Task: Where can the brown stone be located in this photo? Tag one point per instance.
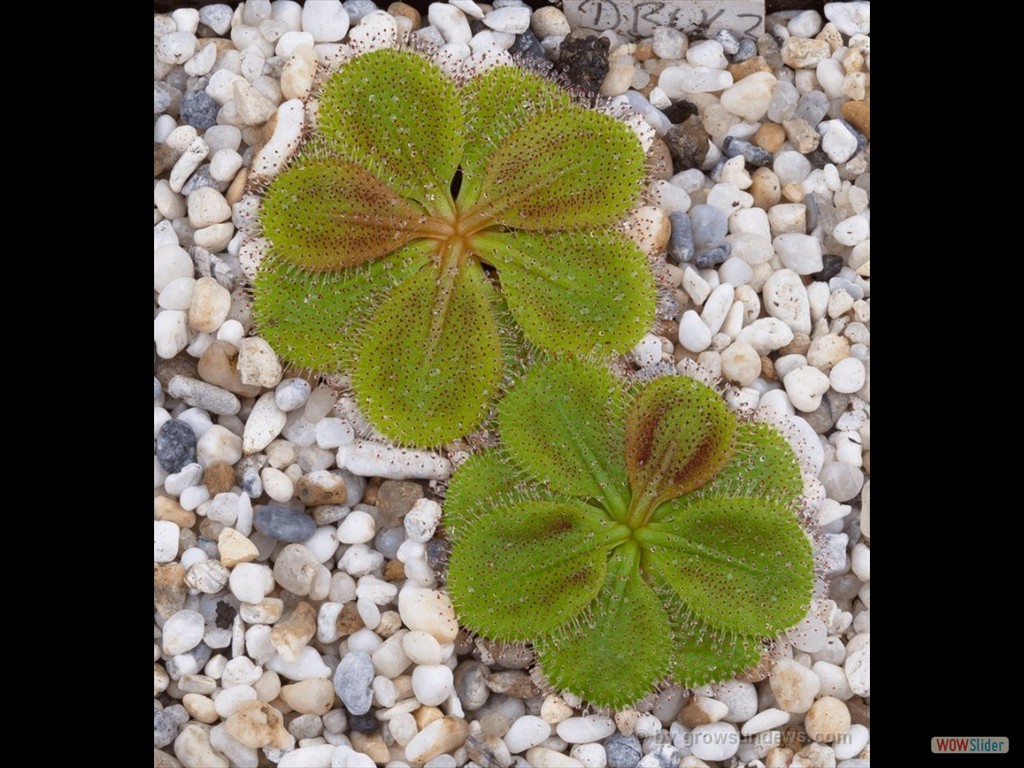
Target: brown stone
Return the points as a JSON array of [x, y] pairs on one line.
[[348, 620], [445, 734], [667, 328], [859, 115], [394, 570], [163, 158], [256, 724], [319, 488], [219, 477], [169, 588], [238, 185], [219, 365], [688, 143], [801, 135], [770, 137], [424, 716], [395, 498], [748, 67], [768, 369], [659, 160], [182, 365], [167, 508], [235, 548], [291, 634], [406, 10], [764, 188], [370, 494], [513, 683], [371, 744], [798, 346], [644, 51]]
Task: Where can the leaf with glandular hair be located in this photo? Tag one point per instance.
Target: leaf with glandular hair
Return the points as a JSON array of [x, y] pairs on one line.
[[523, 570]]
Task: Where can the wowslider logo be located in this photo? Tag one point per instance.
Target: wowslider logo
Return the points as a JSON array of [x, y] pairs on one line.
[[971, 744]]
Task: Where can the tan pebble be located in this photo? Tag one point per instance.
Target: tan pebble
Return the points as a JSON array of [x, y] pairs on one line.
[[859, 115], [852, 60], [291, 634], [200, 707], [219, 365], [309, 697], [234, 548], [442, 735], [370, 494], [801, 53], [169, 588], [219, 477], [268, 687], [801, 135], [779, 757], [211, 303], [649, 228], [257, 724], [554, 709], [793, 193], [267, 611], [794, 686], [830, 34], [426, 715], [770, 137], [348, 620], [394, 570], [371, 744], [827, 720], [321, 488], [815, 756], [160, 679], [659, 160], [298, 72], [406, 10], [163, 760], [514, 683], [758, 672], [390, 622], [798, 346], [166, 508], [210, 529], [825, 351], [258, 363], [764, 188], [748, 67], [238, 186], [855, 86], [644, 51], [192, 748]]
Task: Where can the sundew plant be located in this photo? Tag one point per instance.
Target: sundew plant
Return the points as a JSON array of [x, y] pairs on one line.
[[634, 535], [429, 229]]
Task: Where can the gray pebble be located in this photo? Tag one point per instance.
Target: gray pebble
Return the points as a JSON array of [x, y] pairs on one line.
[[752, 153], [199, 109], [710, 226], [252, 485], [812, 107], [842, 481], [284, 524], [823, 418], [728, 41], [200, 394], [842, 284], [680, 244], [783, 102], [356, 9], [471, 684], [713, 256], [622, 751], [163, 96], [210, 265], [175, 446], [306, 727], [388, 540], [157, 388], [202, 177], [747, 50], [811, 201], [165, 729], [190, 662], [352, 682], [665, 756]]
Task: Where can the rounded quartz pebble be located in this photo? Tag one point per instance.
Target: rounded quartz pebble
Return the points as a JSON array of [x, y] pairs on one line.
[[327, 21], [827, 720], [292, 394], [583, 730], [848, 375], [805, 387], [794, 686], [432, 684], [284, 524], [166, 536], [182, 632], [526, 732], [175, 446], [715, 741]]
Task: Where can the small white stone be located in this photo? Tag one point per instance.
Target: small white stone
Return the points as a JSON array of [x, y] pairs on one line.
[[591, 755], [292, 394], [860, 561], [729, 198], [695, 286], [794, 686], [694, 335], [170, 262], [190, 159], [791, 167], [218, 444], [805, 24], [740, 363], [512, 19], [421, 521], [848, 375], [716, 308], [740, 697], [276, 484], [852, 231], [526, 732], [257, 363], [210, 305], [176, 47], [432, 684], [765, 720], [680, 81], [852, 743], [669, 43], [749, 97], [271, 158], [369, 459], [450, 22], [264, 424], [850, 18], [376, 30], [805, 387], [647, 351], [358, 528], [785, 298], [583, 730], [801, 253], [170, 204], [428, 610], [170, 332], [836, 141], [326, 20], [251, 582], [707, 53], [809, 635], [549, 21], [334, 433], [766, 335], [165, 541], [423, 648], [469, 7], [715, 741], [833, 680]]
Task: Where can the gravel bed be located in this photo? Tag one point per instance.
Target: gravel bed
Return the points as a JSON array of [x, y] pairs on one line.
[[300, 618]]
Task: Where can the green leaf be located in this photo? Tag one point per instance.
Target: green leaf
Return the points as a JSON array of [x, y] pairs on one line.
[[323, 214], [397, 115], [562, 423], [741, 565], [486, 478], [763, 466], [494, 104], [523, 570], [574, 292], [310, 318], [701, 655], [620, 650], [430, 361], [566, 169], [679, 435]]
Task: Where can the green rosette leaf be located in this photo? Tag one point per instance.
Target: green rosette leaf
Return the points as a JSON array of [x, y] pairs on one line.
[[621, 649], [741, 565], [523, 570], [397, 115], [430, 360], [562, 423], [574, 292]]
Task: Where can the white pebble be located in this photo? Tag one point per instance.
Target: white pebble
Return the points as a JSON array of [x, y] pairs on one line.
[[850, 18], [190, 159], [549, 21], [170, 262], [421, 521], [583, 730], [860, 561], [511, 19], [685, 79], [694, 335], [368, 459], [423, 648], [450, 22], [358, 528], [740, 697], [276, 484], [852, 742], [836, 141], [809, 635], [848, 375], [251, 582], [428, 610], [291, 394], [647, 351], [785, 298], [591, 755], [749, 97], [165, 541], [852, 231], [170, 204], [715, 741], [264, 424], [432, 684], [176, 47], [766, 335], [707, 53], [526, 732], [170, 332], [801, 253], [805, 387], [326, 20], [716, 308], [832, 679]]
